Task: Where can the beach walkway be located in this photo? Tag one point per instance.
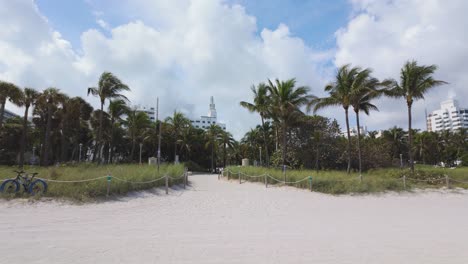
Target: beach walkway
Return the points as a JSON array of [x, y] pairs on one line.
[[216, 221]]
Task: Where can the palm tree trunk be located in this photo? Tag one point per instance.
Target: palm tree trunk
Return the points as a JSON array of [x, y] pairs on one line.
[[100, 132], [45, 155], [265, 143], [348, 170], [23, 137], [175, 150], [410, 138], [111, 144], [359, 141], [2, 112], [212, 157], [284, 148], [132, 152], [224, 155], [276, 138], [317, 159]]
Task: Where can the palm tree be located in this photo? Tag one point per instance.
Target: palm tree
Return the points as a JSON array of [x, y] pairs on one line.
[[177, 122], [286, 101], [227, 141], [137, 122], [109, 87], [7, 91], [340, 91], [261, 104], [50, 97], [27, 99], [117, 108], [415, 81], [212, 136], [364, 89]]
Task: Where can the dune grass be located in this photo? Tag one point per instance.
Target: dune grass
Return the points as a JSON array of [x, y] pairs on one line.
[[89, 191], [373, 181]]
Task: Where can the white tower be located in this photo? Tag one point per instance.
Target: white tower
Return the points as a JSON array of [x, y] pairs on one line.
[[212, 112]]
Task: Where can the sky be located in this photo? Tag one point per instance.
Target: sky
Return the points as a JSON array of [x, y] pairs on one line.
[[188, 50]]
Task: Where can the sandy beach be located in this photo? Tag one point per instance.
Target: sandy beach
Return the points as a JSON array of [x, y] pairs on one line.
[[215, 221]]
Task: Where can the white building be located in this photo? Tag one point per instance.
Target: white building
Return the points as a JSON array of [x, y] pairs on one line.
[[449, 117], [353, 131], [7, 115], [206, 121], [150, 111]]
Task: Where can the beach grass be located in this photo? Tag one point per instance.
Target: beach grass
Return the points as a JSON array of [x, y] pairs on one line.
[[373, 181], [96, 189]]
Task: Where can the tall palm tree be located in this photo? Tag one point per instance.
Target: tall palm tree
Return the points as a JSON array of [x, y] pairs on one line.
[[364, 89], [109, 87], [117, 108], [340, 94], [227, 141], [7, 91], [212, 135], [286, 102], [177, 123], [137, 122], [50, 97], [261, 104], [27, 99], [415, 81]]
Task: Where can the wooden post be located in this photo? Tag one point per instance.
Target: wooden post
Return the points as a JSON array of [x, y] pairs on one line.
[[167, 184], [360, 178], [109, 177], [239, 177], [266, 180], [310, 182], [404, 182], [447, 181], [185, 178], [228, 174]]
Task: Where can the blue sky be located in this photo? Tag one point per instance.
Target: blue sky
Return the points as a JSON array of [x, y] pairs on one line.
[[315, 21], [185, 51]]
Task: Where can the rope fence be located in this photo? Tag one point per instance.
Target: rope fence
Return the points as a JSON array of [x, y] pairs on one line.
[[266, 176], [109, 178]]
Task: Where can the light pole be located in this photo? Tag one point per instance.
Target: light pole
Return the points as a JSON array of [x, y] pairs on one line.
[[401, 161], [34, 156], [79, 157], [260, 156], [141, 146]]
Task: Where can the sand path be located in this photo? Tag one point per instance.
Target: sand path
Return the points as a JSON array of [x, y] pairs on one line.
[[222, 222]]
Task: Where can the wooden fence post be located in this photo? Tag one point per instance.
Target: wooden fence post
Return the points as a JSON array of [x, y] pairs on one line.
[[404, 182], [109, 178], [239, 177], [266, 180], [310, 182], [447, 181], [185, 178], [167, 184], [228, 174]]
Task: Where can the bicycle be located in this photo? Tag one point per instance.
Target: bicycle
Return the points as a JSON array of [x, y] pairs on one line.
[[31, 185]]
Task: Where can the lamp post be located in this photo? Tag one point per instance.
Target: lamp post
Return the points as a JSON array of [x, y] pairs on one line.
[[141, 146], [79, 157], [401, 161], [34, 156], [260, 156]]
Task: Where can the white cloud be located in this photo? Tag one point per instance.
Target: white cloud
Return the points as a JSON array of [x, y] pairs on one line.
[[385, 34], [192, 51]]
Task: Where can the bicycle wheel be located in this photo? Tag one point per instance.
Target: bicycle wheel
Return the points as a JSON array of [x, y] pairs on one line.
[[38, 187], [10, 186]]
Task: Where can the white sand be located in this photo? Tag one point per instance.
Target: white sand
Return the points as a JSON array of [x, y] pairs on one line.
[[222, 222]]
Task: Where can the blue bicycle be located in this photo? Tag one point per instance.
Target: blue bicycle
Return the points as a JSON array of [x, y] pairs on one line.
[[30, 185]]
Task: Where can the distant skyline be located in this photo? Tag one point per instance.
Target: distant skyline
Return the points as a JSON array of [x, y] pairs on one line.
[[186, 51]]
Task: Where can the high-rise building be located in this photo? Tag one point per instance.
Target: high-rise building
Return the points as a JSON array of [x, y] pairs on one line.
[[7, 114], [205, 121], [150, 111], [449, 117]]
